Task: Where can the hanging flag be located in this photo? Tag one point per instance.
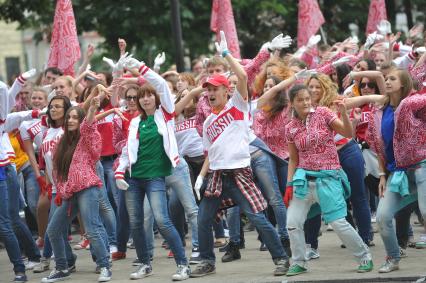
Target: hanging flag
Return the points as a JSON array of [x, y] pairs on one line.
[[223, 19], [309, 20], [376, 13], [64, 46]]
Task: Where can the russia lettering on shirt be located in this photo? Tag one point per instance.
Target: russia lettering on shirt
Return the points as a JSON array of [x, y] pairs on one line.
[[185, 125], [218, 126], [34, 130]]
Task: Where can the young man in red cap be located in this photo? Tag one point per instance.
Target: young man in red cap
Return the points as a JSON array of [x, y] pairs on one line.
[[226, 140]]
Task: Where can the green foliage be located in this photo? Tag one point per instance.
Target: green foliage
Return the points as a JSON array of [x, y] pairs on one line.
[[146, 25]]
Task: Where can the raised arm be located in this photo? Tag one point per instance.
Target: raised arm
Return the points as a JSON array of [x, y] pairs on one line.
[[373, 75], [272, 92], [239, 71], [343, 126], [180, 106]]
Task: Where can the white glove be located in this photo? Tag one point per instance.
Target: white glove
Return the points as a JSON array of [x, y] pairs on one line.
[[371, 39], [421, 50], [198, 185], [108, 61], [313, 40], [384, 27], [29, 74], [121, 184], [304, 74], [341, 61], [159, 60], [223, 45], [131, 63], [279, 42]]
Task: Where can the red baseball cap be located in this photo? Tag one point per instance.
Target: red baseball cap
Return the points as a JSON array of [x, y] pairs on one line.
[[217, 80]]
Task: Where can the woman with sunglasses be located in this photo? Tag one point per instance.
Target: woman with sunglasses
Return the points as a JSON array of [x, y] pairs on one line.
[[120, 131], [370, 83], [397, 132]]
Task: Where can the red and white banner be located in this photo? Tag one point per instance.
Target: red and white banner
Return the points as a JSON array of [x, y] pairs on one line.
[[310, 19], [223, 19], [64, 46], [376, 13]]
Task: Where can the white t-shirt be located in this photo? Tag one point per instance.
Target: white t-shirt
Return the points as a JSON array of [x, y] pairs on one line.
[[226, 135], [188, 140], [52, 137], [31, 130]]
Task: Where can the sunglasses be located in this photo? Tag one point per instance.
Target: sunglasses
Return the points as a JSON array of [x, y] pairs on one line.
[[369, 85], [130, 98]]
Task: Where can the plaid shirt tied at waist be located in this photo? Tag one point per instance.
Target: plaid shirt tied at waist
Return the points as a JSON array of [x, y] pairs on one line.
[[243, 178]]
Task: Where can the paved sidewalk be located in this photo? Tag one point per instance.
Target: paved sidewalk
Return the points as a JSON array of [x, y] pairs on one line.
[[334, 265]]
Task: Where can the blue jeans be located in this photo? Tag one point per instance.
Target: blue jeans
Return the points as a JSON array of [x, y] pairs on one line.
[[155, 190], [21, 230], [123, 224], [47, 249], [109, 183], [32, 189], [87, 202], [389, 206], [207, 213], [352, 162], [106, 211], [180, 193], [265, 173], [6, 233]]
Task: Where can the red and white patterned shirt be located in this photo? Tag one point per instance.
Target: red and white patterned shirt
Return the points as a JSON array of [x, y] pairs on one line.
[[82, 172], [314, 140], [272, 131]]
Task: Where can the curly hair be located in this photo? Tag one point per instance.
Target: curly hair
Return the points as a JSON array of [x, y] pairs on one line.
[[284, 72], [329, 89]]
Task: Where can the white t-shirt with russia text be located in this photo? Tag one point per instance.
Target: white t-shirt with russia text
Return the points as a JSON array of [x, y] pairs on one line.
[[52, 137], [189, 141], [226, 135], [31, 130]]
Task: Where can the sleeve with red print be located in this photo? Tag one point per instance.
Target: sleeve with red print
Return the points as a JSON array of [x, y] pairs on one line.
[[91, 139], [373, 135], [289, 133], [202, 112], [118, 136], [418, 73], [252, 68], [326, 114]]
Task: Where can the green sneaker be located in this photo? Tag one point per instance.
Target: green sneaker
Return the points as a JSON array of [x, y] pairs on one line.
[[296, 269], [365, 266]]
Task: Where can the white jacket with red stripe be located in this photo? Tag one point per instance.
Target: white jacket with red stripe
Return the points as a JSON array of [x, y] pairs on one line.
[[7, 101], [164, 119]]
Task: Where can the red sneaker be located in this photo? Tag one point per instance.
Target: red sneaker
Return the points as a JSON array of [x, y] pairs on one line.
[[83, 244], [40, 243], [170, 255], [118, 255]]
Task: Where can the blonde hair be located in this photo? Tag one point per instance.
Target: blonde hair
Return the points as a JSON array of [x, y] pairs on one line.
[[284, 72], [329, 90]]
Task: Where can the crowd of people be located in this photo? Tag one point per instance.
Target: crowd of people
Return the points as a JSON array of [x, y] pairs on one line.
[[333, 134]]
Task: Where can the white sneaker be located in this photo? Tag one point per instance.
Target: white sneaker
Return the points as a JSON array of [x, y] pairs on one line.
[[105, 275], [42, 266], [311, 253], [143, 271], [29, 265], [182, 273], [389, 266], [373, 217], [113, 249]]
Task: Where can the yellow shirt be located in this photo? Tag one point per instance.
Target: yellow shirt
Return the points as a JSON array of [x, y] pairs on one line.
[[21, 156]]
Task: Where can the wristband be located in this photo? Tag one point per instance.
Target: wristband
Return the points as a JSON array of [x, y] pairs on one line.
[[382, 174], [224, 53]]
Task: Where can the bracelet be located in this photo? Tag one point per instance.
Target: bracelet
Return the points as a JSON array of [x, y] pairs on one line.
[[224, 53], [382, 174]]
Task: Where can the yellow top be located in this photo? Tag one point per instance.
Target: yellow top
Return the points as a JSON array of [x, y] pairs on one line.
[[21, 156]]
